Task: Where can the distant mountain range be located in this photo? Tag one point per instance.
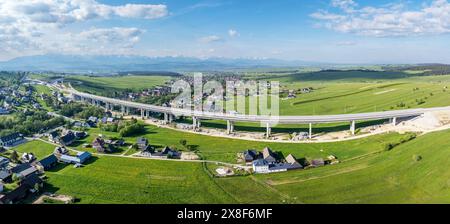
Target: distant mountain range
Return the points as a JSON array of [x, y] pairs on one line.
[[100, 64]]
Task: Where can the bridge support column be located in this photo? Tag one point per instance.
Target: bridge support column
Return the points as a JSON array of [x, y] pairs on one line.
[[352, 127], [166, 117], [394, 121], [142, 114], [147, 114], [268, 130], [127, 111], [122, 110], [310, 131], [170, 118], [195, 123], [230, 127]]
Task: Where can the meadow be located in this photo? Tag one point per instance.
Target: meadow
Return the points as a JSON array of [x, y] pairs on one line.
[[111, 84], [225, 149], [414, 172]]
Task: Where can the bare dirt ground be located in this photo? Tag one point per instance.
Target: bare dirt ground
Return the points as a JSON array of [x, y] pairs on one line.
[[62, 198]]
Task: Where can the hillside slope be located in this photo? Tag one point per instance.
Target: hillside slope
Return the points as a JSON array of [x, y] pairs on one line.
[[415, 172]]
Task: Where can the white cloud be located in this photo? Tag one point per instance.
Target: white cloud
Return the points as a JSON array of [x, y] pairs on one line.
[[232, 33], [210, 39], [39, 25], [94, 41], [346, 5], [387, 20]]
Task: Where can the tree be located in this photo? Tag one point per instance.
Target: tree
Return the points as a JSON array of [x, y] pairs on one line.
[[37, 187], [14, 157], [183, 142]]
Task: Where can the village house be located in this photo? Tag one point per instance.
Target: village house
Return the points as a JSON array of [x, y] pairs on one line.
[[5, 176], [60, 151], [268, 164], [81, 158], [26, 186], [260, 166], [92, 121], [11, 140], [47, 163], [250, 155], [67, 138], [80, 124], [142, 143], [27, 157], [23, 170], [317, 162], [269, 156], [101, 146], [53, 136], [165, 153], [4, 111], [4, 162]]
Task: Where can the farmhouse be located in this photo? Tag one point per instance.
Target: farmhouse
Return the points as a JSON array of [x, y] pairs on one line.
[[11, 140], [100, 145], [5, 176], [67, 139], [261, 166], [92, 121], [24, 170], [79, 159], [26, 185], [60, 151], [165, 153], [268, 155], [27, 157], [250, 155], [15, 195], [47, 163], [142, 143], [53, 136]]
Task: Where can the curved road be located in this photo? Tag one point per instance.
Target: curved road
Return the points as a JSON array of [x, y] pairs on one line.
[[260, 118]]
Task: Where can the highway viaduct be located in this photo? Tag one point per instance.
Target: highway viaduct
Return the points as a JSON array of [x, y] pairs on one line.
[[267, 121]]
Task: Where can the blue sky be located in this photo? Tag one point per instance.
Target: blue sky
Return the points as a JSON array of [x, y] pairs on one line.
[[343, 31]]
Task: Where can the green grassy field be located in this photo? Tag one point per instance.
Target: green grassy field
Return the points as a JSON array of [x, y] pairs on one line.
[[38, 148], [395, 176], [123, 180], [225, 150], [108, 85], [413, 172]]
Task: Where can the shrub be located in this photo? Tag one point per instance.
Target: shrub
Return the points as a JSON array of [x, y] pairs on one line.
[[417, 158]]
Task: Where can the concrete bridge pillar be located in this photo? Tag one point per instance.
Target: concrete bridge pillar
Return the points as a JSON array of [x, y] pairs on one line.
[[166, 117], [122, 110], [310, 131], [196, 122], [127, 111], [352, 127], [230, 127], [394, 121], [142, 114], [268, 130], [170, 118]]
